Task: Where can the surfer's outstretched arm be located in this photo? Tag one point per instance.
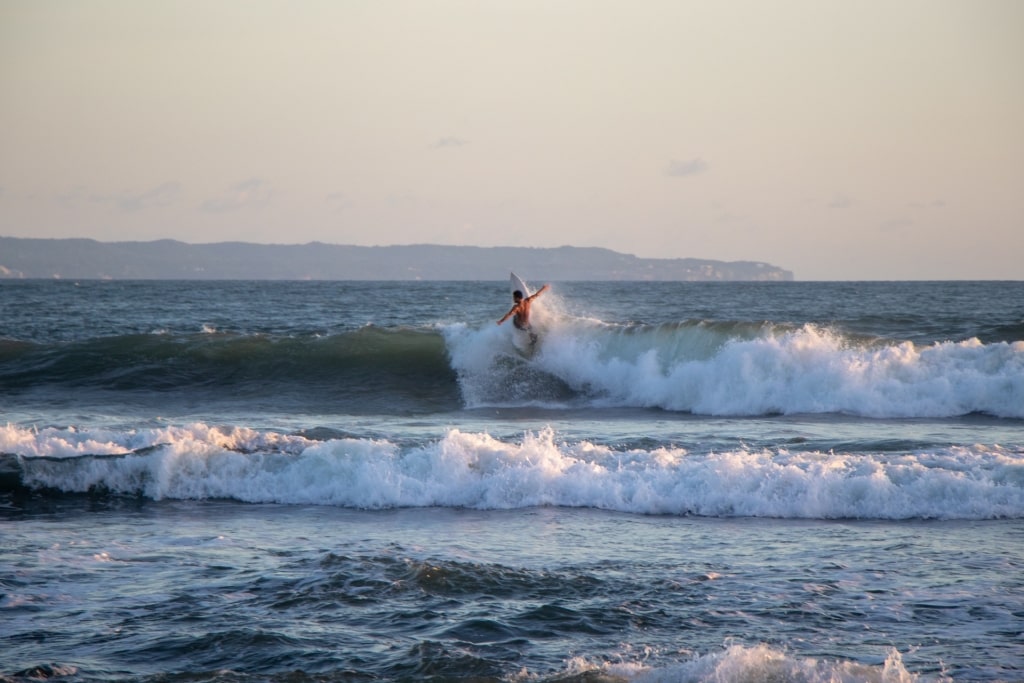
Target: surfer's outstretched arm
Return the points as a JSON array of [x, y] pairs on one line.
[[538, 293], [511, 312]]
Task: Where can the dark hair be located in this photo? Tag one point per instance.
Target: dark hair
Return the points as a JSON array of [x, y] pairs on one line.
[[517, 294]]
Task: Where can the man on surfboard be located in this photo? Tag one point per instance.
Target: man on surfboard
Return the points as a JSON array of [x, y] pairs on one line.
[[521, 310]]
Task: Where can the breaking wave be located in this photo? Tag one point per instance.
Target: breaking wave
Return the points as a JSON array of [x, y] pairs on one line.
[[738, 369], [700, 367], [475, 470]]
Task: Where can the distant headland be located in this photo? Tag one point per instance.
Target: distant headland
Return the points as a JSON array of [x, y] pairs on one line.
[[173, 260]]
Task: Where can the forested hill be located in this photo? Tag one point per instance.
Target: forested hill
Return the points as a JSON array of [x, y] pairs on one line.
[[169, 259]]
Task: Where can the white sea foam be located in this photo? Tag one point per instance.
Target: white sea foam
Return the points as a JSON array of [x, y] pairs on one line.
[[737, 370], [757, 664], [478, 471]]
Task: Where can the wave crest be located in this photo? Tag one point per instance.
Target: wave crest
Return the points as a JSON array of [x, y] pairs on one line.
[[739, 369], [475, 470]]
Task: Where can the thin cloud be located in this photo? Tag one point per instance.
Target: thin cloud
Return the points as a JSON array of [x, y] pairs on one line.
[[75, 197], [338, 201], [679, 169], [128, 201], [164, 194], [895, 226], [449, 143], [248, 193], [935, 204], [401, 200], [841, 201]]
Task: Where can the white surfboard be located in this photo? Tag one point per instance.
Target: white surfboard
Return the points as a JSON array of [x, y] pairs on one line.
[[518, 284]]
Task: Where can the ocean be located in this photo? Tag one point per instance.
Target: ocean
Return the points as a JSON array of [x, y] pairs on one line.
[[372, 481]]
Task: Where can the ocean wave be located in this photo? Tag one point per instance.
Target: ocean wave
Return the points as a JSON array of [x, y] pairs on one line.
[[748, 663], [738, 369], [354, 371], [717, 368], [475, 470]]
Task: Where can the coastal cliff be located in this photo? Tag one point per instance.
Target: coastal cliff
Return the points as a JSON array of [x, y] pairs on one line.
[[170, 259]]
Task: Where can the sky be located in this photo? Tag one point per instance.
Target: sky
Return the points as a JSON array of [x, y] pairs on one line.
[[842, 140]]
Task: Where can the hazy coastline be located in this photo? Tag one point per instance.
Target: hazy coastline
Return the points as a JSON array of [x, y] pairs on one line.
[[171, 259]]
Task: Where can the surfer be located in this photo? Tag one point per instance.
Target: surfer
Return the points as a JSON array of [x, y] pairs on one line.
[[521, 310]]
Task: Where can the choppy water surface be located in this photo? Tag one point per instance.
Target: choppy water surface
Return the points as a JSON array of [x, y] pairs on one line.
[[373, 481]]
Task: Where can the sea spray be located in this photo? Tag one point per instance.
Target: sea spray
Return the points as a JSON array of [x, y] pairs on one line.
[[751, 664], [476, 470], [740, 370]]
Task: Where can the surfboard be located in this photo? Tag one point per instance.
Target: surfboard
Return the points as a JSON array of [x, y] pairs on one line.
[[518, 284]]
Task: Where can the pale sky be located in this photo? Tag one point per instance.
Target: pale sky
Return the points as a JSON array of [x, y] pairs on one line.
[[840, 139]]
